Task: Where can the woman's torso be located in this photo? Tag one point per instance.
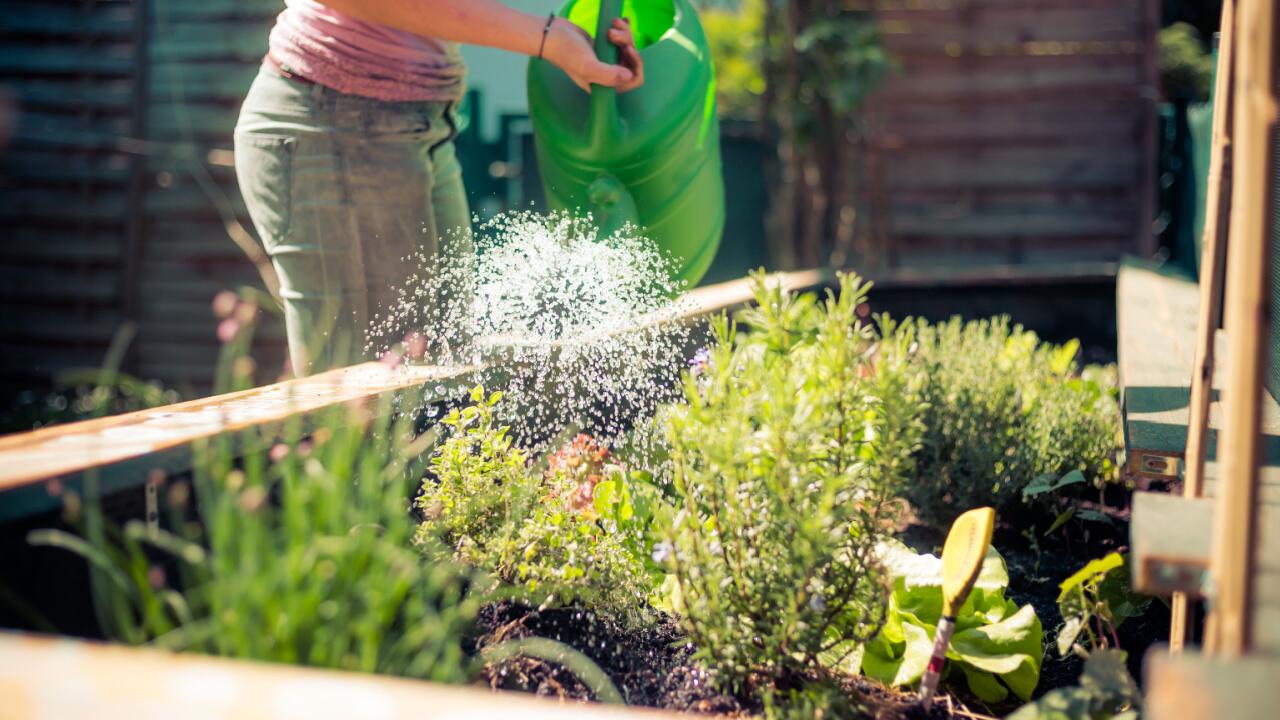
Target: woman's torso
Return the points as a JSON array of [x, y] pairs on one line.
[[360, 58]]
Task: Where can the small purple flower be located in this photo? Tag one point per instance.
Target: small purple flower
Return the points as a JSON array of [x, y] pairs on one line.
[[662, 552], [700, 361]]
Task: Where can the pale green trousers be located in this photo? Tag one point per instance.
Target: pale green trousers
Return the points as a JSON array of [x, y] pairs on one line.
[[348, 194]]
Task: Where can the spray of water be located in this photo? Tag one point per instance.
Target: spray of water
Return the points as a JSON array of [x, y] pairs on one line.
[[581, 331]]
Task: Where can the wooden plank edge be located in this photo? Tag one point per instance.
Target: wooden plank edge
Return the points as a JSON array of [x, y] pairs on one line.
[[43, 677], [122, 450], [1190, 686], [1170, 536]]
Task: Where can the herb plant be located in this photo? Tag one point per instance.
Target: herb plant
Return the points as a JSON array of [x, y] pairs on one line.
[[786, 478], [571, 533], [1094, 602], [1106, 692], [1002, 409], [298, 552]]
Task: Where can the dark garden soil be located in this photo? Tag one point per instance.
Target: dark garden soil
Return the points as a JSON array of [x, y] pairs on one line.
[[1038, 563], [654, 667], [651, 667]]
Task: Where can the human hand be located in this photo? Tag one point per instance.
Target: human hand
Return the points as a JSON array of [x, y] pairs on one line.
[[569, 48]]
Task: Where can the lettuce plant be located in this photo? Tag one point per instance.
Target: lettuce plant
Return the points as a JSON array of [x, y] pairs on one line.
[[571, 533], [996, 646], [786, 479]]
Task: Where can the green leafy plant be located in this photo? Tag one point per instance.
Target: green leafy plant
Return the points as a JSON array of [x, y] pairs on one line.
[[736, 38], [1094, 602], [1106, 692], [299, 551], [786, 479], [1186, 66], [572, 533], [1004, 414], [997, 645]]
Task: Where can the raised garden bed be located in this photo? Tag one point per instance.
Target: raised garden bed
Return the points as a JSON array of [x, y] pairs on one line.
[[595, 549]]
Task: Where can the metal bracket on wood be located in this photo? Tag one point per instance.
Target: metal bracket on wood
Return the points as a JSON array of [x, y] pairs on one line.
[[1155, 464]]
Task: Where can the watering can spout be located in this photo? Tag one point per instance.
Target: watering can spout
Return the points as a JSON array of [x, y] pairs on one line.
[[604, 126]]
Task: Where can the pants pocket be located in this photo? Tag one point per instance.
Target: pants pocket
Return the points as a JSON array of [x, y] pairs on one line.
[[264, 169]]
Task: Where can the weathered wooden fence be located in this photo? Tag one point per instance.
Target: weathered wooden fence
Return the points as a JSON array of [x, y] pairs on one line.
[[1014, 137], [118, 193], [1014, 132]]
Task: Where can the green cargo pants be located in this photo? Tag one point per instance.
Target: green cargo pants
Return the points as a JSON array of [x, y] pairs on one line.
[[346, 192]]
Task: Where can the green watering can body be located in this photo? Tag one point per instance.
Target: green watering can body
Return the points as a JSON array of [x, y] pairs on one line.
[[650, 156]]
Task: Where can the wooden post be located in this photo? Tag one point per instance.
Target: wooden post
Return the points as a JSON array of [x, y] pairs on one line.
[[1212, 262], [1246, 323]]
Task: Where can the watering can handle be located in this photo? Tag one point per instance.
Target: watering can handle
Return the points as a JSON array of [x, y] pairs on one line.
[[603, 119]]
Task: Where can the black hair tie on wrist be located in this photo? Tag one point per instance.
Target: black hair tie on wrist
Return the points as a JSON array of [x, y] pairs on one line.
[[545, 29]]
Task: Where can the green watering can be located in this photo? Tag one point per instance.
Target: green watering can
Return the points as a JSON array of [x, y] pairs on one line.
[[650, 156]]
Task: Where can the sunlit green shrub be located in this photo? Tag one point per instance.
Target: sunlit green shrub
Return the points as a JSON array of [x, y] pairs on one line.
[[1186, 65], [298, 552], [1002, 409], [787, 479], [571, 533]]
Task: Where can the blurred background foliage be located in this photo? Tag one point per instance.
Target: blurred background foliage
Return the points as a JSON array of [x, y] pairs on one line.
[[1186, 63], [735, 32], [804, 67]]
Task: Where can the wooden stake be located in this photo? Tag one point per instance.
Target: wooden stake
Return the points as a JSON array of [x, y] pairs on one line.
[[1212, 262], [1246, 324]]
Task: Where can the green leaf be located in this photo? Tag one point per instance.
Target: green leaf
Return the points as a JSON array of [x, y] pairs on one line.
[[1046, 483], [902, 668], [1115, 591], [1041, 484], [984, 685], [1072, 478], [477, 394], [1067, 635], [1061, 520], [668, 597], [1106, 677], [1064, 357], [604, 497], [1096, 567], [994, 645], [1095, 516], [1069, 703], [1011, 649]]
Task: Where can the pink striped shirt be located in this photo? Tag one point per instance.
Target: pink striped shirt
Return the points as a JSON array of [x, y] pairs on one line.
[[360, 58]]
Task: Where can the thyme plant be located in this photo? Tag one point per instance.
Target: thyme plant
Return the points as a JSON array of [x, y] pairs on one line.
[[787, 479], [1002, 409]]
